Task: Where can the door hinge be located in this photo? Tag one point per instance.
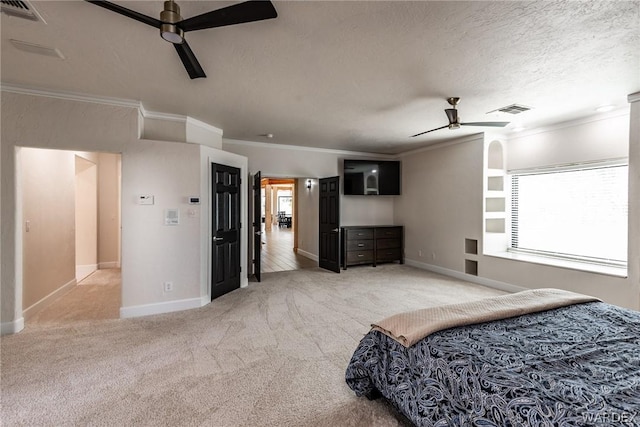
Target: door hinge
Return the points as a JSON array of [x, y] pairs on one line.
[[240, 269]]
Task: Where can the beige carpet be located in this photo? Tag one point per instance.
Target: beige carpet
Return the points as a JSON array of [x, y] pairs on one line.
[[97, 297], [272, 354]]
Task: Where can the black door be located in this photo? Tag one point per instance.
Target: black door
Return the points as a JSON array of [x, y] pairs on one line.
[[225, 226], [330, 224], [257, 224]]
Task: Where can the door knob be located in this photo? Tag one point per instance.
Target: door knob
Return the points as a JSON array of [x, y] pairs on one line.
[[335, 230]]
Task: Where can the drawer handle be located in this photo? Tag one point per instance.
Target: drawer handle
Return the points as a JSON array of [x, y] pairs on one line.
[[360, 234], [360, 245], [360, 255], [389, 253]]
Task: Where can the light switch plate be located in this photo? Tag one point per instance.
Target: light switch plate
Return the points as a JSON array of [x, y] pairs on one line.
[[145, 199]]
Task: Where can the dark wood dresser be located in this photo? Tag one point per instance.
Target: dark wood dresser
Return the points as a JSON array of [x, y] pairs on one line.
[[372, 244]]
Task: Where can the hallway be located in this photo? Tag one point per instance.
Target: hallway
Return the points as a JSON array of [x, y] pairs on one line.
[[97, 297], [277, 252]]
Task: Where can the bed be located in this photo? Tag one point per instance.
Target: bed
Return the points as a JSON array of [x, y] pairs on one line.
[[564, 364]]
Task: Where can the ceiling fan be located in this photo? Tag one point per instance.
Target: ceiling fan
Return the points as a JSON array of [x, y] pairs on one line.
[[454, 120], [172, 26]]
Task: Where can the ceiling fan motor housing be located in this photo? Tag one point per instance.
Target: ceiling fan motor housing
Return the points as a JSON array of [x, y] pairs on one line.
[[169, 17]]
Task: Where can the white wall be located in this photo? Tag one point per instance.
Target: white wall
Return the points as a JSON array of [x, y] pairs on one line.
[[441, 202], [86, 210], [170, 170], [444, 205], [109, 178], [48, 225]]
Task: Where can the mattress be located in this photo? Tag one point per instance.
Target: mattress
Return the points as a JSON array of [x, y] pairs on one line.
[[571, 366]]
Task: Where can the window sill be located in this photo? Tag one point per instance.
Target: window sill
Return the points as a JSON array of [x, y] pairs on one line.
[[562, 263]]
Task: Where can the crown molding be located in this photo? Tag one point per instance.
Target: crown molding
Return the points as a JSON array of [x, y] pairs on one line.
[[69, 96], [116, 102], [304, 148], [634, 97], [459, 140], [619, 112]]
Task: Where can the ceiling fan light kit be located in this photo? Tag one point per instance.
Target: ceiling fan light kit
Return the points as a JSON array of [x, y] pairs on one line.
[[454, 120], [172, 26], [169, 17]]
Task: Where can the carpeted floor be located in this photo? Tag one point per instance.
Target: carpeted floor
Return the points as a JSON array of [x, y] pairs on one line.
[[271, 354]]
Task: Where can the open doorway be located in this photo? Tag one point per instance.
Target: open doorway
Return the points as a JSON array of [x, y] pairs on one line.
[[280, 224], [70, 208]]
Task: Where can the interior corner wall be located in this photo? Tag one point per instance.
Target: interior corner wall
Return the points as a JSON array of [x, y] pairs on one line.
[[48, 206], [308, 200], [441, 202], [634, 200], [109, 210]]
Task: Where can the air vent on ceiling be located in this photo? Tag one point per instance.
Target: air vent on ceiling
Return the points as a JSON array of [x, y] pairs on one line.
[[512, 109], [20, 9]]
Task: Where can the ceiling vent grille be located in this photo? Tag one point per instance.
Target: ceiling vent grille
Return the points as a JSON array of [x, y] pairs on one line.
[[511, 109], [20, 9]]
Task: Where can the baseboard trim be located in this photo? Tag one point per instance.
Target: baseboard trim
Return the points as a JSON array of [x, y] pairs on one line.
[[33, 309], [82, 271], [308, 255], [160, 307], [503, 286], [108, 265], [12, 327]]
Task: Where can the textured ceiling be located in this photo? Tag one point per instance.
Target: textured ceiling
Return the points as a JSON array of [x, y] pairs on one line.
[[351, 75]]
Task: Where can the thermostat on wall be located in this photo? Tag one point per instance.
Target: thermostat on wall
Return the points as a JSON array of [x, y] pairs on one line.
[[145, 199], [171, 217], [194, 200]]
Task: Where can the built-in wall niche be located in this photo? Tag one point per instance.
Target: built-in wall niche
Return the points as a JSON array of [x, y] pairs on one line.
[[471, 246], [495, 199], [471, 267], [495, 204], [495, 183], [495, 225]]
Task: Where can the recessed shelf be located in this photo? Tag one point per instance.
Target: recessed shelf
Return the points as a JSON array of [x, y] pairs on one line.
[[495, 183], [471, 267], [471, 246], [495, 204], [495, 225]]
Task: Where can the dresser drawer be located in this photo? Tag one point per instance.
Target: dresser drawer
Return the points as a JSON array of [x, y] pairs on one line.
[[388, 232], [360, 234], [354, 257], [388, 243], [359, 245], [388, 254]]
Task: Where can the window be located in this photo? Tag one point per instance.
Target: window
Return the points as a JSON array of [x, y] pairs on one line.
[[577, 213]]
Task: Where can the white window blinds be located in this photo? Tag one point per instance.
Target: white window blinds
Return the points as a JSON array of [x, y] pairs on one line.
[[572, 213]]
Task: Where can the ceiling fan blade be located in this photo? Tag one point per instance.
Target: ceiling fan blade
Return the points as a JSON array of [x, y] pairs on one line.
[[452, 115], [127, 12], [240, 13], [490, 124], [422, 133], [189, 60]]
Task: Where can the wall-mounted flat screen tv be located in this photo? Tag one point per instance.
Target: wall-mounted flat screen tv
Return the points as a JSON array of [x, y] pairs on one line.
[[371, 177]]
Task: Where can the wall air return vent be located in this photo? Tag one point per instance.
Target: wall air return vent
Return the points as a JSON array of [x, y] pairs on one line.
[[20, 9], [511, 109]]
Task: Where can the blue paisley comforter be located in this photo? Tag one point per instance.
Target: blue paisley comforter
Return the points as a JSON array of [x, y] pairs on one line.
[[571, 366]]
